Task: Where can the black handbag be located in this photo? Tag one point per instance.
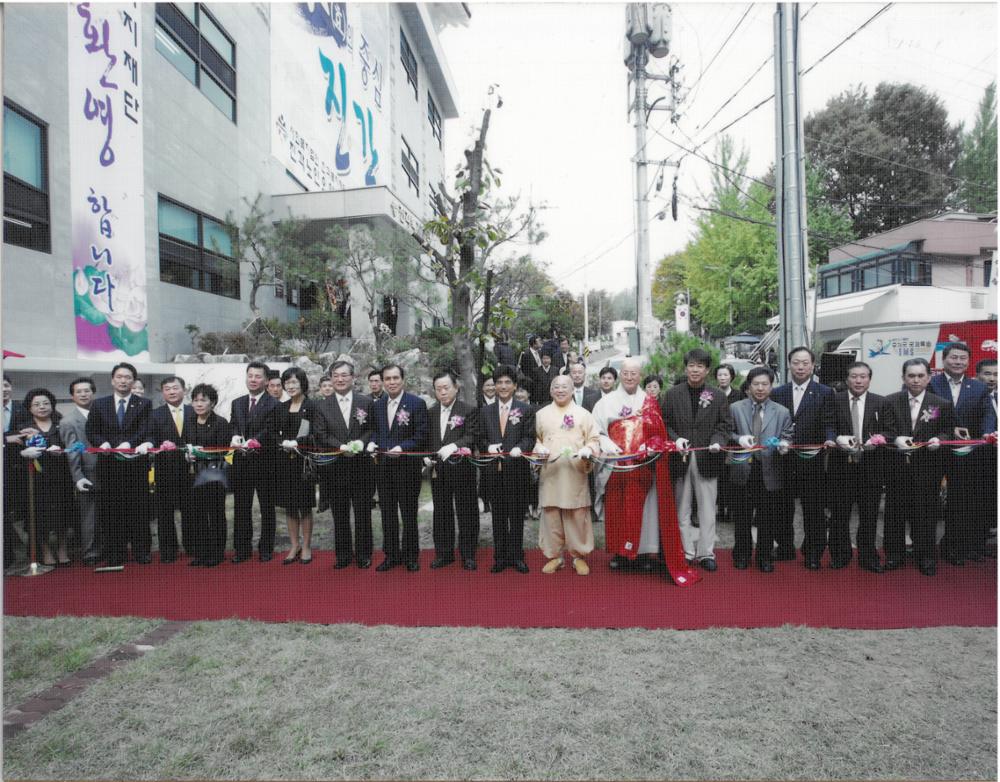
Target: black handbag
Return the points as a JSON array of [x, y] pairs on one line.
[[212, 473]]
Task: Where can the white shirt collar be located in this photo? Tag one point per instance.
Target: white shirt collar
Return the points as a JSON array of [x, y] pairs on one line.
[[84, 411], [343, 397], [256, 397], [956, 382], [861, 398], [125, 399], [800, 386], [919, 398]]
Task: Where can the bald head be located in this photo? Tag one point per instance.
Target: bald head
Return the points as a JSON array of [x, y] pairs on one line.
[[561, 389], [630, 374]]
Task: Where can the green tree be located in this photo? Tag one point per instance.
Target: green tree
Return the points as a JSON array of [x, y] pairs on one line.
[[886, 157], [977, 163], [667, 360], [668, 280]]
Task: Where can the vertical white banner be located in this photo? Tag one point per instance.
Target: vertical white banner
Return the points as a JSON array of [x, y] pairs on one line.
[[106, 180]]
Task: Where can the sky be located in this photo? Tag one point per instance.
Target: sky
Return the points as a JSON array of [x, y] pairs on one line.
[[564, 141]]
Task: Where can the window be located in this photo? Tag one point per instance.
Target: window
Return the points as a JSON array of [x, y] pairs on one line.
[[196, 251], [434, 117], [410, 166], [194, 42], [409, 61], [987, 272], [25, 180]]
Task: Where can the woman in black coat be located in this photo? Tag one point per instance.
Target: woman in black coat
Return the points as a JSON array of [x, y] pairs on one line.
[[208, 500], [295, 483]]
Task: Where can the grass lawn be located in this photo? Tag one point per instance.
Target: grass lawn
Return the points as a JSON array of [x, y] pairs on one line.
[[242, 700]]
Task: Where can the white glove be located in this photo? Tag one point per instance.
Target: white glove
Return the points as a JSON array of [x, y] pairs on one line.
[[289, 445], [83, 485], [714, 448], [682, 443], [933, 444], [237, 441], [541, 451], [847, 442], [613, 449], [515, 451], [585, 453], [54, 449], [396, 449], [783, 447], [143, 448], [124, 446], [447, 450], [32, 452], [747, 441], [495, 448], [372, 448], [427, 462], [904, 443], [105, 446]]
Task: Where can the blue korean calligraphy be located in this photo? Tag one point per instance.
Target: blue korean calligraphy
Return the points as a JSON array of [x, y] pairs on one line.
[[367, 143], [342, 160], [103, 284], [100, 206], [328, 20]]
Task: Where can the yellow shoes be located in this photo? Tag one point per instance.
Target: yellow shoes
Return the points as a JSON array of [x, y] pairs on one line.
[[553, 565], [581, 567]]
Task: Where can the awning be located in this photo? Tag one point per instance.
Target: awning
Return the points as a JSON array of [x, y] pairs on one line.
[[851, 311]]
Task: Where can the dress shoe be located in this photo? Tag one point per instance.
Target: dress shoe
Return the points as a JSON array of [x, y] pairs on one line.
[[240, 558], [290, 560], [440, 562], [67, 563], [893, 563], [498, 565], [618, 562], [709, 564], [975, 556], [387, 564], [951, 559], [266, 556], [364, 564], [581, 567], [195, 563], [91, 561], [342, 563], [413, 567], [837, 564], [765, 566], [644, 564], [811, 563], [468, 564], [553, 565], [928, 567], [305, 561], [144, 559], [783, 556], [520, 566], [163, 560], [871, 565], [211, 562], [741, 563]]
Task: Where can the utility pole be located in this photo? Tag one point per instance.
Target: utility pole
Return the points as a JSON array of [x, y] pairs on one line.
[[586, 316], [648, 31], [789, 175]]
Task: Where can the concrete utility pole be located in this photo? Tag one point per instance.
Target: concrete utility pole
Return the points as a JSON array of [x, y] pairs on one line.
[[789, 180], [586, 316], [648, 31]]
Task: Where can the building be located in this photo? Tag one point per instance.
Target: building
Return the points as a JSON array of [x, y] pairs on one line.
[[131, 132], [939, 269]]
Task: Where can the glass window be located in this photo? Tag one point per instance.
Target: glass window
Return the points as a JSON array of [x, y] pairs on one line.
[[216, 37], [845, 282], [830, 286], [178, 222], [182, 61], [22, 149], [217, 238], [188, 10], [217, 95]]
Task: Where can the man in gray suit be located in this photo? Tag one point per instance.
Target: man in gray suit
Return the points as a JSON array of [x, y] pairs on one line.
[[759, 474], [82, 466]]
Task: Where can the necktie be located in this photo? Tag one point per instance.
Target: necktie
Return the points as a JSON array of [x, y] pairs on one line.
[[956, 390], [503, 419], [121, 413], [579, 396], [856, 422], [914, 411], [345, 409], [758, 420], [253, 404], [993, 396], [6, 418], [178, 420], [391, 409], [445, 415], [797, 400]]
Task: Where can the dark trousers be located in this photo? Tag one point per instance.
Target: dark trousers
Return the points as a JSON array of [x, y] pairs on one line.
[[172, 496], [398, 495], [854, 485], [253, 474], [912, 497], [454, 494], [15, 493], [208, 524], [754, 504], [348, 484], [805, 482], [510, 502], [965, 495], [986, 510], [121, 513]]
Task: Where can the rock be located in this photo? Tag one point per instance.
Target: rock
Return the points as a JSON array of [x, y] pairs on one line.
[[295, 345], [408, 359], [307, 364], [233, 358], [187, 358]]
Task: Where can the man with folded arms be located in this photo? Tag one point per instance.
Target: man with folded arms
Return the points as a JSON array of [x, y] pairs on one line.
[[567, 436]]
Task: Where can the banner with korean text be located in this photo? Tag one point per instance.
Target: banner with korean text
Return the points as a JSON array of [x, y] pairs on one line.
[[106, 180]]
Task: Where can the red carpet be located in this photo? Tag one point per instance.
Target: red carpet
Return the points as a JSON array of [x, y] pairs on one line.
[[848, 598]]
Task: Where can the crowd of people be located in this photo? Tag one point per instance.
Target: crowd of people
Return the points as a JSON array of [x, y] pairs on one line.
[[657, 467]]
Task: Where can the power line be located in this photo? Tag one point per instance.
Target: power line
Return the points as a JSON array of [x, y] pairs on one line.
[[723, 46], [864, 24], [596, 258]]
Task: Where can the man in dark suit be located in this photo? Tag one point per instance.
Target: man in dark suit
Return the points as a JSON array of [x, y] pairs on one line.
[[400, 425], [253, 470], [170, 423], [986, 459], [966, 395], [856, 473], [82, 466], [915, 415], [508, 426], [344, 422], [583, 396], [561, 357], [805, 400], [697, 416], [543, 380], [17, 426], [122, 420], [452, 425], [530, 361]]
